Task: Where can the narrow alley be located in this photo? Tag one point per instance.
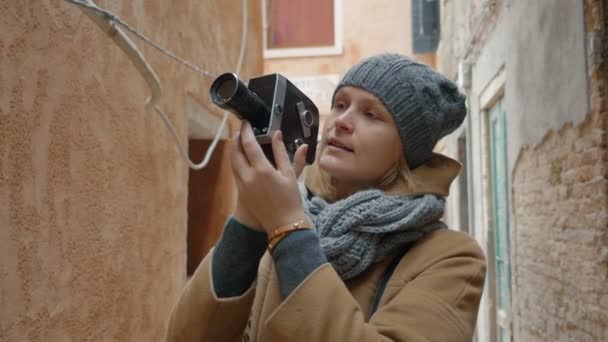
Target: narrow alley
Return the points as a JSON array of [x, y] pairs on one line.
[[118, 175]]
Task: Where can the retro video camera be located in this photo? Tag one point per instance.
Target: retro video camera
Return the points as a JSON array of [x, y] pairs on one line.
[[270, 103]]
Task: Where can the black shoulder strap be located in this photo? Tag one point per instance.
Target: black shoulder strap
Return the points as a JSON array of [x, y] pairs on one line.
[[386, 276]]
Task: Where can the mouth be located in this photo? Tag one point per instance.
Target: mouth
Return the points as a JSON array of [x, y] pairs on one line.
[[338, 144]]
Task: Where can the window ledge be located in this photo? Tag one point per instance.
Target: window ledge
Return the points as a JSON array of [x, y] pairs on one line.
[[303, 52]]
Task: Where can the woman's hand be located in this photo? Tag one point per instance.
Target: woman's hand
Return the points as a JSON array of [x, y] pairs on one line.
[[267, 195], [242, 215]]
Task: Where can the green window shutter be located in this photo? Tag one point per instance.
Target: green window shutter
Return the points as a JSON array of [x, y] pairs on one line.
[[500, 201]]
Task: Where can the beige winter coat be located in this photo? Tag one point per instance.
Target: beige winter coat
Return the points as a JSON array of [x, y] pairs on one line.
[[433, 295]]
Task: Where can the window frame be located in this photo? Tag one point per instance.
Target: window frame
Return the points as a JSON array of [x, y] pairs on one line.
[[494, 94], [336, 49]]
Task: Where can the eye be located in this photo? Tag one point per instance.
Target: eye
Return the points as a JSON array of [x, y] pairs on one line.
[[372, 116], [340, 106]]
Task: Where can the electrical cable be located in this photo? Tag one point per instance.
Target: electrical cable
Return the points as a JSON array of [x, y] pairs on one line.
[[115, 19]]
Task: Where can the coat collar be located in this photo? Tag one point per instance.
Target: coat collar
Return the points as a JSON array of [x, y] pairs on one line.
[[433, 177]]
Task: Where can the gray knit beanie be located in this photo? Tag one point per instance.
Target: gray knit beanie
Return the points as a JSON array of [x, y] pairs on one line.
[[425, 105]]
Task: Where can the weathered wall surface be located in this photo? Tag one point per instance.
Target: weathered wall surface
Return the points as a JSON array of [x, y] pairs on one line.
[[552, 55], [560, 206], [369, 27], [560, 260], [92, 188], [465, 24], [541, 46]]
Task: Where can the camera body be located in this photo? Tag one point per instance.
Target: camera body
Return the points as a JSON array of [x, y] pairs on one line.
[[270, 103]]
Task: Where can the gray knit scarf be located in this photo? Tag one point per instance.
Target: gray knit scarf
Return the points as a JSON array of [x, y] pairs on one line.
[[369, 225]]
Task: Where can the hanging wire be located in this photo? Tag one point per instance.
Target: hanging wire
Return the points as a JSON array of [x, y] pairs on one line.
[[216, 139], [113, 18]]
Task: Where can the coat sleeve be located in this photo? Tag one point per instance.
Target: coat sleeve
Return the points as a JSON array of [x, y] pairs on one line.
[[200, 315], [439, 304], [216, 302]]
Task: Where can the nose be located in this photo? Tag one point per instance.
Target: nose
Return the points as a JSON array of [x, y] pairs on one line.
[[344, 121]]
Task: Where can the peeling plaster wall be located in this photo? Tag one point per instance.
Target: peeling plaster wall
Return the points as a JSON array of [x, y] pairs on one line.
[[560, 209], [555, 98], [559, 244], [541, 45], [92, 188]]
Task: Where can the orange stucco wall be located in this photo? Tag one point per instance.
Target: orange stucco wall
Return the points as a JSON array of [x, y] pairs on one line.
[[369, 27], [93, 193]]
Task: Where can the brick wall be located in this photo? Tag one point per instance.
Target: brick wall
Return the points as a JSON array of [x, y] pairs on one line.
[[560, 210], [560, 231]]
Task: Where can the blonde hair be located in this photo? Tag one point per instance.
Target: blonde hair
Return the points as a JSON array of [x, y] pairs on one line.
[[398, 180]]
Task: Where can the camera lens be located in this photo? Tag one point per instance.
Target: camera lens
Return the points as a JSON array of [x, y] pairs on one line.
[[229, 93], [226, 89]]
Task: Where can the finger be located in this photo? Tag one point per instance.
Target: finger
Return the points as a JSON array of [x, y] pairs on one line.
[[251, 149], [238, 160], [299, 160], [281, 158]]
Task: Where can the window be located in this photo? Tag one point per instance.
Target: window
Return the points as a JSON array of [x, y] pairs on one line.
[[295, 28], [463, 185], [500, 215], [425, 25]]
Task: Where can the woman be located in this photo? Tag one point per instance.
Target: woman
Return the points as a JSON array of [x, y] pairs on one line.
[[359, 253]]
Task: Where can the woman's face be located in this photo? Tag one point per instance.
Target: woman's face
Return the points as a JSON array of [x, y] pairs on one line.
[[360, 140]]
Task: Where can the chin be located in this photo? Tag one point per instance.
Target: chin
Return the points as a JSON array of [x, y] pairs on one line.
[[335, 168]]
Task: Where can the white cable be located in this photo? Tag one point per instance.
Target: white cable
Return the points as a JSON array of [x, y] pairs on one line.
[[239, 63], [111, 17], [183, 151], [239, 66]]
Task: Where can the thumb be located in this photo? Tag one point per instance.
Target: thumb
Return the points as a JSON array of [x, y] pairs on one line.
[[299, 160]]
